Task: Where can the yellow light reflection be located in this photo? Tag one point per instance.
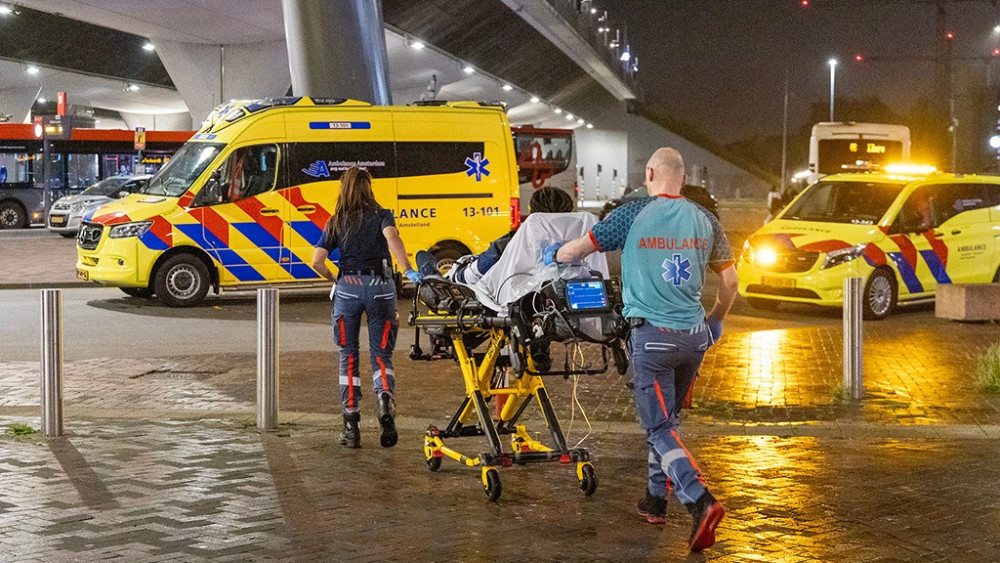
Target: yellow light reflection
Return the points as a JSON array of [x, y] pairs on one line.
[[766, 373], [772, 475]]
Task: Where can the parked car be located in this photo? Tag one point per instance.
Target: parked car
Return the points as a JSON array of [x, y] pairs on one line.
[[697, 194], [64, 217]]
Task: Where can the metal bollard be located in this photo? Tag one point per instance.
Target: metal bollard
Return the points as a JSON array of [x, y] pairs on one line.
[[853, 365], [267, 358], [52, 363]]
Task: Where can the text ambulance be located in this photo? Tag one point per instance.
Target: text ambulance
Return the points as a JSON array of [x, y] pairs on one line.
[[242, 204], [904, 232]]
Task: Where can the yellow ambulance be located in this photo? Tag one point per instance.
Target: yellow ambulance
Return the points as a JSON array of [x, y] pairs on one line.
[[243, 202], [904, 230]]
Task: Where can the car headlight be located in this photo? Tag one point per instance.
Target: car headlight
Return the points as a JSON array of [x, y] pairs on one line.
[[765, 257], [126, 230], [844, 255]]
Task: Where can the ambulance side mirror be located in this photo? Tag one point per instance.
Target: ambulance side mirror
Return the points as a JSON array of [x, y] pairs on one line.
[[210, 193]]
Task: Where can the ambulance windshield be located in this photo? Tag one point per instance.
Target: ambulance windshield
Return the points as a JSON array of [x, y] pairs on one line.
[[182, 170], [862, 203]]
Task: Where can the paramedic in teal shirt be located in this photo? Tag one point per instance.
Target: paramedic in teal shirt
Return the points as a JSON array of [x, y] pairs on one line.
[[667, 244]]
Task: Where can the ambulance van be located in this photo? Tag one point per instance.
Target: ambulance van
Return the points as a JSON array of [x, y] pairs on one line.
[[245, 200], [904, 231]]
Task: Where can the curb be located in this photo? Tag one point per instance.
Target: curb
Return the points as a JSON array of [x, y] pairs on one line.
[[47, 285]]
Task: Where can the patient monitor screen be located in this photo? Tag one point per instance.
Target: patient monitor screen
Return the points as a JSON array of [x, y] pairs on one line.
[[586, 295]]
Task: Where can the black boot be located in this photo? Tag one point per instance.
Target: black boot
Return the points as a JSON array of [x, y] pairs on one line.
[[706, 513], [386, 412], [351, 435], [653, 509]]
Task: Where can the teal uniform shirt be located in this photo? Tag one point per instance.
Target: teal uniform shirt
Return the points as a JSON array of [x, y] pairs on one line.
[[667, 243]]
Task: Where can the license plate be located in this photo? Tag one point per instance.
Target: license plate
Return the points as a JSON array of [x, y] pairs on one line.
[[778, 282], [57, 220], [82, 274]]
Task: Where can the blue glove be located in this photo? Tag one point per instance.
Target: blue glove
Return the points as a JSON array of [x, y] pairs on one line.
[[714, 328], [549, 253], [413, 275]]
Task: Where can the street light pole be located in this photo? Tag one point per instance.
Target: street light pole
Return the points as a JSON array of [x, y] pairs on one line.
[[833, 74], [784, 137]]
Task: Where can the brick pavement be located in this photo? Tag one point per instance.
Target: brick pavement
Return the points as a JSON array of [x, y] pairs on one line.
[[219, 491]]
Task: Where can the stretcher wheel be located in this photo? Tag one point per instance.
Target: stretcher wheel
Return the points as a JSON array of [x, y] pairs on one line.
[[433, 463], [588, 484], [491, 484]]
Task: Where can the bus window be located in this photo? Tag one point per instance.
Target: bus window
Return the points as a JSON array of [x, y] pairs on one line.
[[82, 170], [53, 171], [14, 168], [545, 157], [119, 164]]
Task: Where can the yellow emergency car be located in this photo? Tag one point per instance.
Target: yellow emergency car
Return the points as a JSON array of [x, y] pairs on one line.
[[244, 201], [903, 230]]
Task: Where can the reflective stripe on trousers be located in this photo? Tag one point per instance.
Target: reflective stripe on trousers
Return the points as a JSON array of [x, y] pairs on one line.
[[664, 364], [375, 298]]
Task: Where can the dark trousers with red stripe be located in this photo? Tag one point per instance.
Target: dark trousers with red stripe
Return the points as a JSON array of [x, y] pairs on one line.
[[664, 364], [375, 298]]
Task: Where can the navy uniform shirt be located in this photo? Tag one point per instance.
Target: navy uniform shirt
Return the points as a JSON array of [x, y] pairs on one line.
[[366, 248]]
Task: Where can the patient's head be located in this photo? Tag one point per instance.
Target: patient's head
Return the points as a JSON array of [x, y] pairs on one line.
[[550, 200]]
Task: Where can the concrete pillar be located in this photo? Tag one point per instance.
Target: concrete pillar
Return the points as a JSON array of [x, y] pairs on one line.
[[17, 102], [336, 49], [206, 75]]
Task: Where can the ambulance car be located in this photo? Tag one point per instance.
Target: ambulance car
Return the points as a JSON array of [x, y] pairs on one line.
[[903, 230], [243, 202]]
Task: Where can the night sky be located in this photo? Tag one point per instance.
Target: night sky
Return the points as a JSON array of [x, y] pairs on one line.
[[720, 64]]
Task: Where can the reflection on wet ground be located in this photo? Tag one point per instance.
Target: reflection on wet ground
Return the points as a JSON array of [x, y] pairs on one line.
[[217, 491], [917, 369]]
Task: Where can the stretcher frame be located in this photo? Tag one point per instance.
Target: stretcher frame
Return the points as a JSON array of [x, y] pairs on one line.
[[481, 375]]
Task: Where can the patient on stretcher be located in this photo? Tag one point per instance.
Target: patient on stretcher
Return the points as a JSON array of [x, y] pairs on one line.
[[520, 285]]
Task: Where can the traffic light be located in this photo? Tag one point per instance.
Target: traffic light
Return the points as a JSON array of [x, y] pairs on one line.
[[859, 57]]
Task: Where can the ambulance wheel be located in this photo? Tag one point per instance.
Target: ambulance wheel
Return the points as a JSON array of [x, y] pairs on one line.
[[763, 304], [141, 292], [182, 281], [492, 485], [589, 482], [879, 298], [996, 276], [446, 255]]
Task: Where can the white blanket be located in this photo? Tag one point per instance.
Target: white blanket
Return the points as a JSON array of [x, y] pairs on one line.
[[520, 269]]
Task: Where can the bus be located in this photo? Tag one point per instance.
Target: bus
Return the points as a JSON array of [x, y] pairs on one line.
[[848, 146], [90, 155], [545, 157]]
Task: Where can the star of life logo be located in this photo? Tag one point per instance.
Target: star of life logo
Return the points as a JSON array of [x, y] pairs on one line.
[[677, 269], [477, 166], [317, 169]]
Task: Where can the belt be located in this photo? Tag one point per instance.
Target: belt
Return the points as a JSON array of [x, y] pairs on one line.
[[361, 273], [636, 322]]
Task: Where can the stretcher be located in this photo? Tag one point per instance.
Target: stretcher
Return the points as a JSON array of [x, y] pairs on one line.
[[505, 372]]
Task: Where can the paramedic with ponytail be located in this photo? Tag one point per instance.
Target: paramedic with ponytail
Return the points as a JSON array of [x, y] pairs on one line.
[[365, 233], [667, 242]]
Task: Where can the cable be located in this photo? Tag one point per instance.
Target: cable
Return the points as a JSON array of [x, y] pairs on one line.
[[575, 401]]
